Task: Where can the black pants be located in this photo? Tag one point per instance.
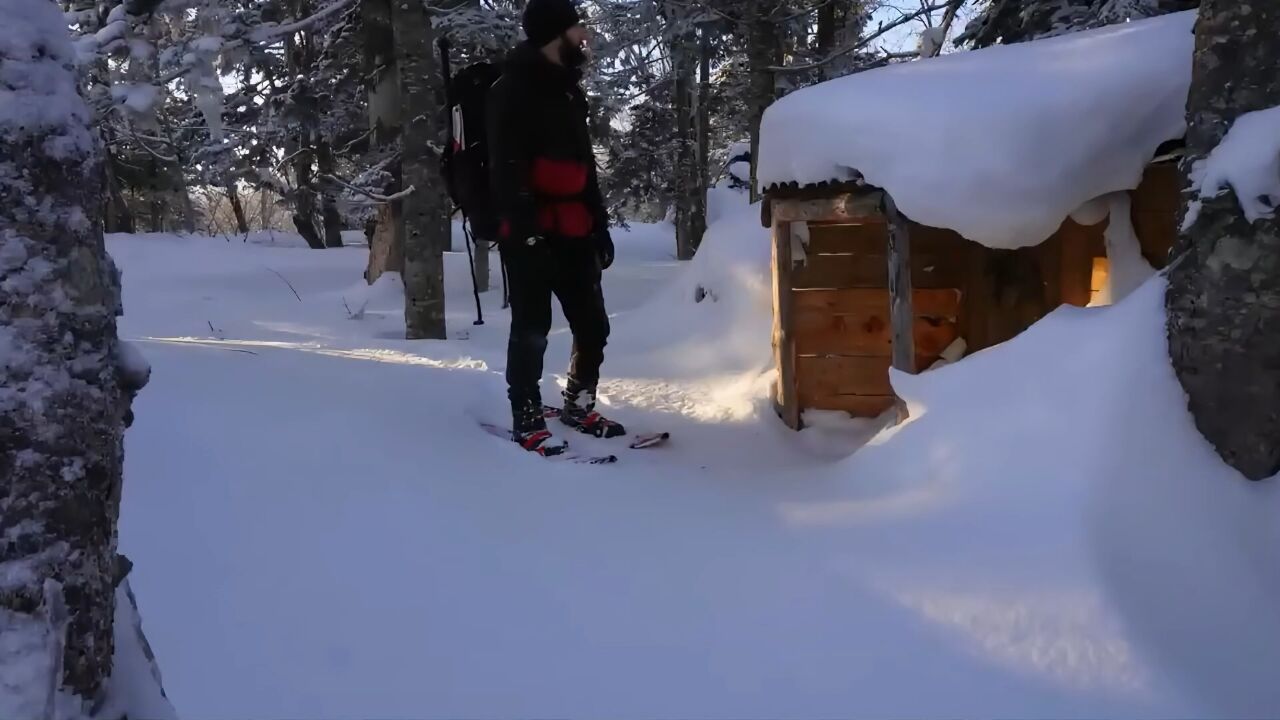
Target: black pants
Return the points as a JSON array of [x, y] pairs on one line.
[[569, 269]]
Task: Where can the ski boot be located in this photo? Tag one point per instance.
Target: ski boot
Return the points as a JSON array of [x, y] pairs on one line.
[[530, 430], [580, 414], [541, 442]]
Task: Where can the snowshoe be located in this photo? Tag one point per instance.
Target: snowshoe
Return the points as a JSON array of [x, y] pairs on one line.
[[638, 441]]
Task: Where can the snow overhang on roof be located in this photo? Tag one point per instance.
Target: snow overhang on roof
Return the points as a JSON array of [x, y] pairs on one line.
[[1000, 144]]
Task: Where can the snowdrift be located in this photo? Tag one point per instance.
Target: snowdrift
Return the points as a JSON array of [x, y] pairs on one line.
[[715, 314], [1052, 506], [999, 144]]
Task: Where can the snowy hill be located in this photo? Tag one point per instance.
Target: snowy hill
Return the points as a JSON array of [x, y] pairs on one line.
[[320, 530]]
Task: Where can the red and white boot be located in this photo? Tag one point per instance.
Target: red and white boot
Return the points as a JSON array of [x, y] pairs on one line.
[[579, 413]]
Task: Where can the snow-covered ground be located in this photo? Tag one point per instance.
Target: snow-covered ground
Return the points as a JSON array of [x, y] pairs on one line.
[[320, 530]]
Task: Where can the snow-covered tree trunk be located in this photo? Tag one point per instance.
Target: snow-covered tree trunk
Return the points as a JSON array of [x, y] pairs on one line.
[[1224, 285], [425, 209], [64, 386]]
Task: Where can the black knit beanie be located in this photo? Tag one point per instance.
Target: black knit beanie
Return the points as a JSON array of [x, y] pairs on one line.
[[545, 20]]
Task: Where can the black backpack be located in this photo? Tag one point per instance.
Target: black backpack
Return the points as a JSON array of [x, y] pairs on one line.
[[465, 161]]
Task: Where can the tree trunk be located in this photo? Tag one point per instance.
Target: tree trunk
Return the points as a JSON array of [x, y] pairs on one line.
[[118, 216], [157, 203], [826, 35], [1224, 285], [329, 201], [306, 111], [178, 185], [65, 395], [684, 64], [386, 243], [703, 149], [426, 228], [385, 254], [242, 223], [764, 50]]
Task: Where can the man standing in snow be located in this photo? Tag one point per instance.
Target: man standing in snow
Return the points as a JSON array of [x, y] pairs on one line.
[[553, 226]]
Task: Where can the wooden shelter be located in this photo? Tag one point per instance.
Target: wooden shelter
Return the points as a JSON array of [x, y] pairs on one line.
[[859, 288]]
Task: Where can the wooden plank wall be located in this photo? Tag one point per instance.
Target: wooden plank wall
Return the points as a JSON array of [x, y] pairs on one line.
[[840, 316], [832, 329]]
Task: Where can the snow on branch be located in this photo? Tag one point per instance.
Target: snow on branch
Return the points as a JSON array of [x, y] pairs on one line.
[[1248, 161], [865, 41], [376, 197], [272, 33]]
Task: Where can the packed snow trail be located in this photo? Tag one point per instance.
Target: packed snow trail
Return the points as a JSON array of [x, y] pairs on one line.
[[321, 531]]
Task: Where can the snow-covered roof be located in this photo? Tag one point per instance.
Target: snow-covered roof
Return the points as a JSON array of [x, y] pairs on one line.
[[999, 144]]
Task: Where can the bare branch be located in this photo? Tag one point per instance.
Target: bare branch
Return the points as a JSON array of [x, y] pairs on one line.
[[273, 33], [371, 195], [864, 42], [286, 282]]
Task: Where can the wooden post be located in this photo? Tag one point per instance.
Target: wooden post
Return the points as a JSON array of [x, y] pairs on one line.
[[901, 315], [784, 345]]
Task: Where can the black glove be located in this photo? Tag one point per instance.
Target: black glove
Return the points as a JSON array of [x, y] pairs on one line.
[[604, 249]]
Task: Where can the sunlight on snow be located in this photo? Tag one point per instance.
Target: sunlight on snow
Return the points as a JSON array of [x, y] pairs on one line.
[[372, 354], [1064, 636]]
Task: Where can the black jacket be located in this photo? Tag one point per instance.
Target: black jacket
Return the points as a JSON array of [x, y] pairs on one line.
[[542, 164]]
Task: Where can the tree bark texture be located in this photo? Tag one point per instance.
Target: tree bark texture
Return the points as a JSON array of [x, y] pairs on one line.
[[684, 68], [703, 136], [385, 253], [1223, 296], [328, 199], [380, 70], [386, 244], [305, 115], [63, 392], [764, 50], [237, 208], [119, 218], [426, 227]]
